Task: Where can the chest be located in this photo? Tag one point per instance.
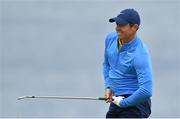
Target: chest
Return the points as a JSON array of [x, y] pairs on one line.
[[118, 59]]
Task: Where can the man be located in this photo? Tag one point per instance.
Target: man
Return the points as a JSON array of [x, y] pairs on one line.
[[127, 69]]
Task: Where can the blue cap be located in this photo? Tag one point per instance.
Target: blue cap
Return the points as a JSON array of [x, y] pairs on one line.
[[127, 16]]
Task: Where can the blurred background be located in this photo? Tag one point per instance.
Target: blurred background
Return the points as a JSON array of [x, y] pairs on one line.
[[55, 47]]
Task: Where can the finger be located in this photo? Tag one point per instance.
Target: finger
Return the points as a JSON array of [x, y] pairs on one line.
[[109, 100], [107, 96]]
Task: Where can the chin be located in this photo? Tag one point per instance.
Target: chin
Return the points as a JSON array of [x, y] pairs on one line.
[[121, 37]]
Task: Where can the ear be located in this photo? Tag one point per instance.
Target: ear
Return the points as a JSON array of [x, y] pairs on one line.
[[136, 27]]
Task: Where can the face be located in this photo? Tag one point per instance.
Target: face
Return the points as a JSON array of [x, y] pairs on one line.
[[126, 31]]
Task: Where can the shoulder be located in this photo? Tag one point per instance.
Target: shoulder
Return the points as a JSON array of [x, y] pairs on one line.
[[110, 36], [141, 49], [142, 53]]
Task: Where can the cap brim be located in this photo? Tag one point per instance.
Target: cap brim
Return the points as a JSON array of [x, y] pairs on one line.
[[118, 20]]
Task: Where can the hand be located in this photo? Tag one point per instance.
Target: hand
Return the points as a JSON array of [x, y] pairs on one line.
[[117, 100], [108, 94]]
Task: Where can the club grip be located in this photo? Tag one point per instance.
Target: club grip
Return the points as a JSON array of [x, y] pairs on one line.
[[102, 98]]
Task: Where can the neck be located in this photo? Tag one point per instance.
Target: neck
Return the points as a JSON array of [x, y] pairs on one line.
[[129, 39]]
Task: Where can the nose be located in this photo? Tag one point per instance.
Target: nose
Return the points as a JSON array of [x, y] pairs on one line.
[[118, 28]]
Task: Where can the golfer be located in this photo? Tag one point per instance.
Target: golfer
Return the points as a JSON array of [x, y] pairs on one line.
[[127, 69]]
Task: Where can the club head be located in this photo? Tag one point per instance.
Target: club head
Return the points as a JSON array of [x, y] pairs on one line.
[[23, 97]]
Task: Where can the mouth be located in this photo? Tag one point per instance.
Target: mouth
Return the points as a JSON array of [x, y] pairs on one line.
[[118, 33]]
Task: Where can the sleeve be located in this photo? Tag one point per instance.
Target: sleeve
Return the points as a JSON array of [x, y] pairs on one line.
[[106, 66], [143, 68]]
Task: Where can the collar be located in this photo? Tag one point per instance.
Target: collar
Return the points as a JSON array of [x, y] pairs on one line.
[[130, 45]]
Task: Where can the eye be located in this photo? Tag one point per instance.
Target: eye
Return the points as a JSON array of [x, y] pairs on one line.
[[120, 25]]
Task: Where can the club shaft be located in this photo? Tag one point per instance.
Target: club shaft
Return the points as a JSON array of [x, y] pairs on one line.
[[63, 97]]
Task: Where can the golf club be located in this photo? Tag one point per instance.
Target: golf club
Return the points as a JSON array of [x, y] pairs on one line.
[[63, 97]]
